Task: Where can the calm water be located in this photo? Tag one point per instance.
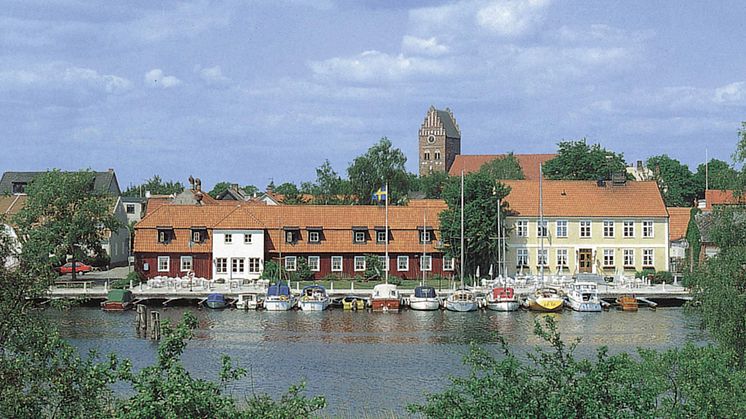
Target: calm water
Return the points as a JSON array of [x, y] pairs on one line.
[[362, 360]]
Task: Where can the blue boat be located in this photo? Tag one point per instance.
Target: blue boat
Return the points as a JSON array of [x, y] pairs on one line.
[[279, 298], [216, 301]]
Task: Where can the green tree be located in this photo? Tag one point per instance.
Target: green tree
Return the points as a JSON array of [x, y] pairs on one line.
[[330, 188], [380, 165], [432, 184], [739, 156], [291, 194], [717, 174], [675, 181], [250, 190], [219, 188], [506, 167], [64, 216], [373, 267], [481, 196], [155, 186], [576, 160]]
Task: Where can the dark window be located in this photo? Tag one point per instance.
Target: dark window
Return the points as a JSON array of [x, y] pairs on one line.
[[19, 187], [130, 208], [165, 236]]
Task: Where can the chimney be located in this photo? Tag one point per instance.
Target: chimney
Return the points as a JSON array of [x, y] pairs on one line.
[[234, 187], [110, 170], [147, 194]]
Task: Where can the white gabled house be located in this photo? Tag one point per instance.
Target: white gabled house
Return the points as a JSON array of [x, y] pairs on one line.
[[237, 254]]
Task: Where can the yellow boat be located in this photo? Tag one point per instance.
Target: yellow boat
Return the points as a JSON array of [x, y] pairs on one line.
[[352, 302], [545, 299]]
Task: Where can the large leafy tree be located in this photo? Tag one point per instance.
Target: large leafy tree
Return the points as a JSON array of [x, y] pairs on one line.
[[576, 160], [481, 196], [382, 164], [291, 194], [506, 167], [717, 174], [221, 187], [64, 216], [432, 185], [740, 157], [675, 181], [155, 186], [330, 188]]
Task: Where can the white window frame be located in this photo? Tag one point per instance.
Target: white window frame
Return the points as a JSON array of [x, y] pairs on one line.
[[402, 263], [425, 236], [522, 258], [314, 237], [359, 263], [448, 264], [334, 260], [381, 236], [609, 230], [648, 254], [161, 236], [254, 265], [608, 258], [228, 238], [359, 236], [186, 259], [542, 255], [648, 229], [587, 226], [196, 237], [426, 263], [289, 236], [247, 238], [629, 258], [562, 257], [521, 228], [542, 228], [221, 265], [314, 263], [167, 260], [238, 265], [629, 229], [291, 263], [561, 228]]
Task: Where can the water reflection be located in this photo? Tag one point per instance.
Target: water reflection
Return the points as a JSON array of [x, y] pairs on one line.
[[351, 356]]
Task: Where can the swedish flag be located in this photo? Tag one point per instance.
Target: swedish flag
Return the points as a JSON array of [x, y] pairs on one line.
[[380, 195]]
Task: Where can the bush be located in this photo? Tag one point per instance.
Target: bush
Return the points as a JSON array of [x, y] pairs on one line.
[[395, 280], [333, 277], [120, 284], [656, 277]]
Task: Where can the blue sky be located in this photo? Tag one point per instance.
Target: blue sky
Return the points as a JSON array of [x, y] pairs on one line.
[[249, 91]]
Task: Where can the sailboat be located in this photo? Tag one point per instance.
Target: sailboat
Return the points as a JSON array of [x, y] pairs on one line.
[[501, 298], [544, 298], [385, 296], [462, 299], [424, 297]]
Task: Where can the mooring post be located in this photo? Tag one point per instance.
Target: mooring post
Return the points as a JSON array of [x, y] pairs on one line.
[[142, 320], [106, 286], [331, 286], [85, 286], [155, 325], [352, 285]]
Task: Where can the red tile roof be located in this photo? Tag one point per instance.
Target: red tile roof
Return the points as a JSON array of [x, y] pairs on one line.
[[529, 163], [678, 222], [579, 198], [719, 197]]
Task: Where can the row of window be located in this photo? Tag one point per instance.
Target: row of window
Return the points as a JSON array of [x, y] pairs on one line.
[[166, 235], [186, 263], [238, 265], [402, 263], [426, 156], [358, 236], [609, 229], [608, 258], [228, 238]]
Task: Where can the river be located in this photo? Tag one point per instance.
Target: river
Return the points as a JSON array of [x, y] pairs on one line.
[[364, 362]]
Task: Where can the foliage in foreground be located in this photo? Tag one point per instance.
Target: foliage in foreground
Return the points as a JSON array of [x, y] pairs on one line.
[[682, 382]]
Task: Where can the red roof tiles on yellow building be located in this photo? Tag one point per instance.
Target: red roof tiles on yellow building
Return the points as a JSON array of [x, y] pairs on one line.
[[472, 163], [678, 222]]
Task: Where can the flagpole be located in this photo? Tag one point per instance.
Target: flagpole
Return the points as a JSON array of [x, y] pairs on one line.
[[385, 268]]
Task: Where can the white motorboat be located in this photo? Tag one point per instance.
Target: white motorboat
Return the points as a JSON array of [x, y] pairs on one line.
[[583, 296], [385, 298], [249, 301], [463, 299], [424, 298], [314, 298], [279, 298], [502, 299]]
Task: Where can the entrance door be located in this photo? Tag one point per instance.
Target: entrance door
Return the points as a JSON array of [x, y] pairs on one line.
[[585, 260]]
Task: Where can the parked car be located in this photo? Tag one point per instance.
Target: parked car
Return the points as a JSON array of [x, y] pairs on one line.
[[80, 268]]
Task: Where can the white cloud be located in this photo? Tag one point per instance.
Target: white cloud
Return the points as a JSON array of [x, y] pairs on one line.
[[420, 46], [730, 93], [156, 78], [62, 76], [376, 66], [512, 17], [212, 76]]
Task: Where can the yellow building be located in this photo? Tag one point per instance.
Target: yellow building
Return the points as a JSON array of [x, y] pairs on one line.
[[589, 227]]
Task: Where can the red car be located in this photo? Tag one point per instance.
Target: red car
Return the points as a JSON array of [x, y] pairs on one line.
[[80, 268]]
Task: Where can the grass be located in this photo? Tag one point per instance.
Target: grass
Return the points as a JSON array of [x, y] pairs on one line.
[[444, 283]]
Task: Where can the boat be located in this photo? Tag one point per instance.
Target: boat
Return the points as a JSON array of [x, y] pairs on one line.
[[385, 297], [627, 302], [462, 299], [249, 301], [216, 301], [424, 298], [583, 296], [117, 300], [353, 302], [546, 299], [313, 298], [279, 298], [502, 299]]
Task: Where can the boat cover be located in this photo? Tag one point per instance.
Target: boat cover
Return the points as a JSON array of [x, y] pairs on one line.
[[119, 296], [216, 298], [276, 290], [425, 292], [502, 292]]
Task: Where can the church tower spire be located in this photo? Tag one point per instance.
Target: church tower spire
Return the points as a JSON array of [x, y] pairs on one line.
[[439, 141]]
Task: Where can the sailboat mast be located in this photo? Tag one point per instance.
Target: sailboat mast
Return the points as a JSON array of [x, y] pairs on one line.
[[424, 227], [462, 229], [541, 223], [499, 241], [386, 268]]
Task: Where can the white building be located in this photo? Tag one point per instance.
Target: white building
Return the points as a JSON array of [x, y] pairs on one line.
[[237, 254]]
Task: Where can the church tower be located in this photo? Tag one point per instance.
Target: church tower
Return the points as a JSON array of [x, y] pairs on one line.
[[440, 141]]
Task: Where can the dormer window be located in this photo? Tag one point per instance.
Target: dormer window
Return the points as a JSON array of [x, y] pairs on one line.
[[199, 234], [426, 234], [196, 236], [381, 235], [292, 234], [19, 187], [314, 234], [359, 235], [165, 234]]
